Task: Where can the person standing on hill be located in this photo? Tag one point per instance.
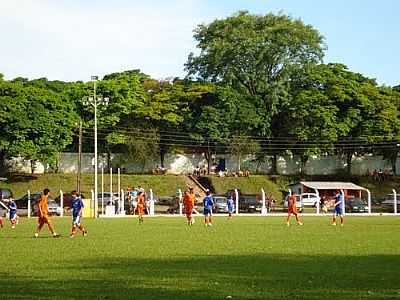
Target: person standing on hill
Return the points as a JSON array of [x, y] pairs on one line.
[[44, 214]]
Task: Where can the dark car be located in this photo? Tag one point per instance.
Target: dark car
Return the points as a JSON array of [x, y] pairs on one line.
[[67, 199], [250, 204], [22, 205], [356, 205]]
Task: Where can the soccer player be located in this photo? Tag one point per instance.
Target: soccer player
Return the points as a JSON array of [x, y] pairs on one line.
[[188, 203], [292, 210], [140, 206], [339, 201], [77, 205], [231, 205], [13, 213], [44, 214], [208, 206]]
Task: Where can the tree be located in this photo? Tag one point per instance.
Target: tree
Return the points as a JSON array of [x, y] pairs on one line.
[[35, 123], [255, 55], [242, 145]]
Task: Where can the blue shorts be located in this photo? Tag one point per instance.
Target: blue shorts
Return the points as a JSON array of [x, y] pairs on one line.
[[13, 216], [338, 211], [207, 211], [76, 220], [231, 209]]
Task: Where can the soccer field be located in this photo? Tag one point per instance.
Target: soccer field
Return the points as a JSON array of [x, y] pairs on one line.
[[243, 258]]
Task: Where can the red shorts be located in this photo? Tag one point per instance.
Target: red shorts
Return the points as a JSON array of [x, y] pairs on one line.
[[140, 210], [189, 211], [44, 220], [292, 210]]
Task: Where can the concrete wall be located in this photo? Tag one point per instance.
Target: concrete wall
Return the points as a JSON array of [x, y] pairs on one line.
[[185, 163]]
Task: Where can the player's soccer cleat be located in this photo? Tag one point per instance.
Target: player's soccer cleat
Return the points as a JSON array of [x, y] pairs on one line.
[[301, 224], [71, 236], [342, 225], [85, 233], [333, 224], [36, 235], [287, 224], [12, 226], [56, 235]]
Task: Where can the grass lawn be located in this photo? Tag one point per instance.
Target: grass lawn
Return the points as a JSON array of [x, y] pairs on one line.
[[248, 185], [243, 258]]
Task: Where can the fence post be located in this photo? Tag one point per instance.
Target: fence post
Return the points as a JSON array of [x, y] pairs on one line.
[[111, 186], [151, 202], [180, 202], [318, 201], [237, 201], [122, 207], [369, 201], [119, 190], [92, 204], [62, 203], [29, 203], [394, 201], [264, 210], [102, 191], [343, 202]]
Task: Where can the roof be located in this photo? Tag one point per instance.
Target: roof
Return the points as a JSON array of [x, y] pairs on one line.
[[329, 185]]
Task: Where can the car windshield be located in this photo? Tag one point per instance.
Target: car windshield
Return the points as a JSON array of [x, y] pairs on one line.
[[220, 200], [357, 202]]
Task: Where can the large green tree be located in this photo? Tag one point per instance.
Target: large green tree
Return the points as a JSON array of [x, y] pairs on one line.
[[35, 123], [256, 55]]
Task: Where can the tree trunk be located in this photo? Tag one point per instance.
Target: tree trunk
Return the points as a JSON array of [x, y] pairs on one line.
[[303, 162], [3, 169], [393, 161], [349, 158], [162, 156], [33, 166], [239, 158], [274, 165], [208, 157]]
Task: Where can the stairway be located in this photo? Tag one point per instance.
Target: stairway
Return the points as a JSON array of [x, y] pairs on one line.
[[198, 189]]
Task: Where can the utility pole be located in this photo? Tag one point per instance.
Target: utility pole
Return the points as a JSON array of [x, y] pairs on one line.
[[78, 178]]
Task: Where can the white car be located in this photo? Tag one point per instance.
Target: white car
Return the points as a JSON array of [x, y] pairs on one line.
[[310, 199]]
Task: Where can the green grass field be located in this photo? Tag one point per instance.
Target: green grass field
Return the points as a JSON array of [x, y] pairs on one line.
[[243, 258]]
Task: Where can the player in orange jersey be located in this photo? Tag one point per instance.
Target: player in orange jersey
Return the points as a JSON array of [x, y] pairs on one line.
[[140, 206], [292, 210], [188, 203], [43, 213]]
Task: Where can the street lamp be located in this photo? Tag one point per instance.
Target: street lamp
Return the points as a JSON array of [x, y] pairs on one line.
[[94, 101]]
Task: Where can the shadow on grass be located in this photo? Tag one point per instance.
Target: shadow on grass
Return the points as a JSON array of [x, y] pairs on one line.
[[213, 277], [14, 178]]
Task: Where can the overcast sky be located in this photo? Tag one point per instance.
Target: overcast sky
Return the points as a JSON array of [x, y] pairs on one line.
[[74, 39]]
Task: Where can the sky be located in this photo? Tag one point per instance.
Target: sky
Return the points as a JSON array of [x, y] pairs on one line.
[[73, 39]]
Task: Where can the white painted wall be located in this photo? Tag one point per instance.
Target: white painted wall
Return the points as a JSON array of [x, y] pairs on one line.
[[185, 163]]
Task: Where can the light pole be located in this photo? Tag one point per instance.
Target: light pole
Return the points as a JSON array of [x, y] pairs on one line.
[[94, 101]]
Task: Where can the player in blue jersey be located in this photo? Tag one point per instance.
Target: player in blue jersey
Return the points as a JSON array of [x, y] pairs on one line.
[[230, 204], [208, 203], [12, 207], [77, 205], [338, 209]]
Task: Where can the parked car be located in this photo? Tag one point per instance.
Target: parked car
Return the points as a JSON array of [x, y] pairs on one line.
[[299, 203], [356, 205], [310, 199], [388, 202], [67, 199], [22, 205], [250, 204], [220, 204]]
